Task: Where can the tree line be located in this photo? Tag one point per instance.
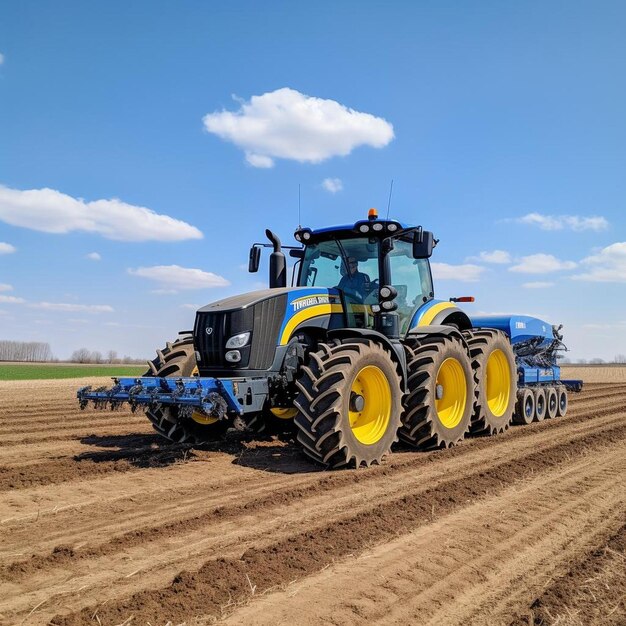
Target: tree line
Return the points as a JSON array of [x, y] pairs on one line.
[[25, 351], [40, 352]]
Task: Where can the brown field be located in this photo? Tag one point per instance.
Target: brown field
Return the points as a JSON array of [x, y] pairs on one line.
[[102, 523], [595, 373]]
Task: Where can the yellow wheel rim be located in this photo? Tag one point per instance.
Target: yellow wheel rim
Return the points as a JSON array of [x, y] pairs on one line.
[[498, 383], [202, 418], [452, 387], [284, 413], [372, 421]]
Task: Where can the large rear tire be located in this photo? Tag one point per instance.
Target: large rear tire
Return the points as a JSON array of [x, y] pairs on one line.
[[441, 386], [494, 363], [349, 404], [175, 360]]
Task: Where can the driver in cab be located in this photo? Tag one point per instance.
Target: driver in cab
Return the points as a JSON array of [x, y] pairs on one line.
[[355, 283]]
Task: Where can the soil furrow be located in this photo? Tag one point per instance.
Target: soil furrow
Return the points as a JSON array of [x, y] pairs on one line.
[[223, 580]]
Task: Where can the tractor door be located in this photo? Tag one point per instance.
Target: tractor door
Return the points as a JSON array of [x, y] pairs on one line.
[[412, 280]]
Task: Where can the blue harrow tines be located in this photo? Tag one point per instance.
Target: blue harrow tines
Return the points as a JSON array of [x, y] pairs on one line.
[[212, 396]]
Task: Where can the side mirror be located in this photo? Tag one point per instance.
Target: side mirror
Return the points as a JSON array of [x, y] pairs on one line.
[[423, 244], [254, 260], [297, 253]]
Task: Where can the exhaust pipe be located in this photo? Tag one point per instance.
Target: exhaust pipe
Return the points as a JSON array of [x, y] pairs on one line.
[[278, 265]]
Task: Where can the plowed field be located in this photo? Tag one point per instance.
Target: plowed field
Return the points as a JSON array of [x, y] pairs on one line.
[[103, 523]]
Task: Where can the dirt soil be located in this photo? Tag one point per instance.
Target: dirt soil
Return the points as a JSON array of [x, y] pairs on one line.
[[103, 523]]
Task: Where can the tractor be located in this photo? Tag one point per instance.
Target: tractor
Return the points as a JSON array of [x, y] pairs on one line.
[[355, 356]]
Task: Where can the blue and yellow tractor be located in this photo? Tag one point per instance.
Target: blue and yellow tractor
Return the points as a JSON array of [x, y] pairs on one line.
[[357, 354]]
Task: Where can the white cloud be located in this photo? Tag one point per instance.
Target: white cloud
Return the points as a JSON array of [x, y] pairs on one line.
[[287, 124], [561, 222], [6, 287], [51, 211], [495, 256], [467, 273], [193, 307], [174, 277], [7, 248], [260, 160], [539, 284], [11, 300], [63, 306], [332, 184], [93, 256], [608, 266], [540, 264]]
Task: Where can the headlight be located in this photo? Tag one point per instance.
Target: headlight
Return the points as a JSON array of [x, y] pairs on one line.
[[238, 341], [306, 235], [377, 226], [392, 228], [364, 228]]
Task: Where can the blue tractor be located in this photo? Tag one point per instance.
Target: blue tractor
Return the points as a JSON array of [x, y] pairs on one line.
[[358, 354]]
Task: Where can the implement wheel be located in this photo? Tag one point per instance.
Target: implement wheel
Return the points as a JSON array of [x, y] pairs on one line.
[[349, 404], [552, 403], [438, 407], [540, 403], [525, 409], [494, 363], [562, 395], [175, 360]]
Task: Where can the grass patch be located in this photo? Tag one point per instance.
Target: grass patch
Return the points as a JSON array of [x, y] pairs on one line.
[[42, 371]]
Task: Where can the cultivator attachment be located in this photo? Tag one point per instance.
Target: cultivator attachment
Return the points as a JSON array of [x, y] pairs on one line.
[[212, 396]]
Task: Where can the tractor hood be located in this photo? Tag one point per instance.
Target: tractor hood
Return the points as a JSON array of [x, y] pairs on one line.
[[271, 316]]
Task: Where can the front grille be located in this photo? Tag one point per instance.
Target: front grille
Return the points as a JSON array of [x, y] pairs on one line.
[[263, 319]]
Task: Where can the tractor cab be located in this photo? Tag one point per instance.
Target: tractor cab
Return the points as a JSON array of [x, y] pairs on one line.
[[379, 267]]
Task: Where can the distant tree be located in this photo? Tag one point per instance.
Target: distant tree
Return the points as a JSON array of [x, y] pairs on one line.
[[582, 361], [564, 360], [111, 356], [620, 358], [596, 361], [82, 355], [96, 357]]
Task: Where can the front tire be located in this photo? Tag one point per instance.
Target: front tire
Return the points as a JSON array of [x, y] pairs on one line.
[[178, 360], [349, 404]]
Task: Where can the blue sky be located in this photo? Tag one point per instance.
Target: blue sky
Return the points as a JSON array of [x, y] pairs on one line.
[[502, 125]]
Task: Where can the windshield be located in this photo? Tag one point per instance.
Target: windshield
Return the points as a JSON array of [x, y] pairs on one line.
[[347, 264]]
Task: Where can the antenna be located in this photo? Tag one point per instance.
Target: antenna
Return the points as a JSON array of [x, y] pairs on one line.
[[389, 203], [299, 220]]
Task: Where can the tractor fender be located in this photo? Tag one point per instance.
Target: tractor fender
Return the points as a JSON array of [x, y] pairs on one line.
[[395, 348]]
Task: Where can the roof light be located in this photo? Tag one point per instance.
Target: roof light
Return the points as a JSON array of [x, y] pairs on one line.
[[377, 226], [392, 228], [372, 214], [364, 228], [298, 237], [306, 235]]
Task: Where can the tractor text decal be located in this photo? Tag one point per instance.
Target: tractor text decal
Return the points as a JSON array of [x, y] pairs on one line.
[[302, 303]]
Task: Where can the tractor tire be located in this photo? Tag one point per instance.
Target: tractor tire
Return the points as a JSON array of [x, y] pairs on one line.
[[540, 404], [349, 404], [563, 400], [493, 362], [175, 360], [552, 403], [441, 392], [525, 408]]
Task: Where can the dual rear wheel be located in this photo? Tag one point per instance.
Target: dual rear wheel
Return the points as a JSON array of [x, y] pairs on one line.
[[351, 407]]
